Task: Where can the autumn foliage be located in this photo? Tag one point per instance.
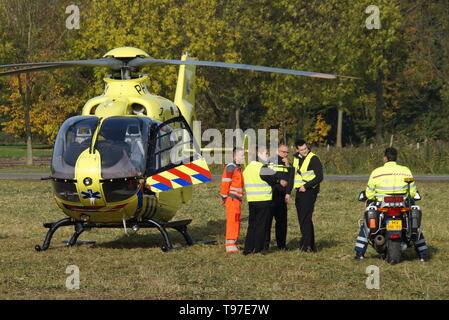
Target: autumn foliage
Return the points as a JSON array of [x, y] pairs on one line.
[[403, 66]]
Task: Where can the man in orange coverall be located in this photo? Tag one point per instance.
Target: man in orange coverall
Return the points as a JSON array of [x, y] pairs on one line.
[[231, 195]]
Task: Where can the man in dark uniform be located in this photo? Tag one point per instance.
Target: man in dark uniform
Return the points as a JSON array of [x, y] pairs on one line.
[[259, 180], [308, 176], [281, 196]]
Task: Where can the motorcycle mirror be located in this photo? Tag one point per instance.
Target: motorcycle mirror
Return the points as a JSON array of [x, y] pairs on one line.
[[417, 196], [362, 196]]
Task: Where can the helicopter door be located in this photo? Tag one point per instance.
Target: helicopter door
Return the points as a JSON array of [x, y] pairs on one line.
[[176, 161]]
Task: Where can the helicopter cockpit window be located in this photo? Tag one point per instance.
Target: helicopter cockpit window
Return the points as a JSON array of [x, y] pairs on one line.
[[122, 144], [171, 145], [73, 138]]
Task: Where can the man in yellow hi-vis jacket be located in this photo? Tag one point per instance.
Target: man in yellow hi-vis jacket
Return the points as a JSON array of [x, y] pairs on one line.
[[259, 180], [385, 180], [308, 176]]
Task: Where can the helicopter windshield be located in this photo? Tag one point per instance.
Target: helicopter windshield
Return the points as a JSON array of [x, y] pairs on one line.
[[122, 143], [73, 138]]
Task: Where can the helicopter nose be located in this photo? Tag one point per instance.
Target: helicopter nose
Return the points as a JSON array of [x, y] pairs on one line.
[[88, 176], [87, 181]]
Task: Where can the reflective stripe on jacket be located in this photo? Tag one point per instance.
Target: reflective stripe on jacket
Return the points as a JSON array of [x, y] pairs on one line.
[[389, 179], [256, 189], [302, 175], [232, 182], [278, 167]]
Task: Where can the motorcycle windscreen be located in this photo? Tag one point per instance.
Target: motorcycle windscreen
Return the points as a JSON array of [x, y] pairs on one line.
[[176, 161], [74, 136], [123, 144]]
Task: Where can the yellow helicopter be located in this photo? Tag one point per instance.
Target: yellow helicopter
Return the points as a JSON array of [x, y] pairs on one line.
[[130, 159]]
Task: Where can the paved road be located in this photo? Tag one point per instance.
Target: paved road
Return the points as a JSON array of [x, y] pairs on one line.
[[37, 176], [23, 176]]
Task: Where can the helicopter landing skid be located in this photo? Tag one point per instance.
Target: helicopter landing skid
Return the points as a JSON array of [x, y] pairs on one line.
[[80, 227]]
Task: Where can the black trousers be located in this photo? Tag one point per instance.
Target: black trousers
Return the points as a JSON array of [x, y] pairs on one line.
[[279, 213], [259, 211], [305, 203]]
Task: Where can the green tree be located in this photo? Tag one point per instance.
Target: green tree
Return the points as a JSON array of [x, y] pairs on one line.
[[421, 104], [377, 53], [310, 36], [24, 26]]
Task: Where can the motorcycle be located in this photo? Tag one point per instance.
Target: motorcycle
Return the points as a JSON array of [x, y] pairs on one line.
[[393, 223]]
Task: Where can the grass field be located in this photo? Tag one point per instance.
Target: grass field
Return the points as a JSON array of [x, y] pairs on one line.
[[121, 267], [19, 151]]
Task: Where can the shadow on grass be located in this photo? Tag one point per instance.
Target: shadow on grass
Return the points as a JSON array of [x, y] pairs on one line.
[[409, 255], [151, 238], [320, 244], [325, 244]]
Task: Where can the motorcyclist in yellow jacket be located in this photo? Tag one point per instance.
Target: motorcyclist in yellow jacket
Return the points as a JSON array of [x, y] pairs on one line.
[[386, 180]]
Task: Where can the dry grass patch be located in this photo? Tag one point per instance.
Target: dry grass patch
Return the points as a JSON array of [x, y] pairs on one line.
[[121, 267]]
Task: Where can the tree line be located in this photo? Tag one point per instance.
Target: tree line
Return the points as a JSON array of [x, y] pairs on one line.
[[402, 65]]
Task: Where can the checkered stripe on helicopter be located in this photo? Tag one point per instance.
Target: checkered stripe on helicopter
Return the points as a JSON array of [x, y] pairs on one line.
[[195, 172]]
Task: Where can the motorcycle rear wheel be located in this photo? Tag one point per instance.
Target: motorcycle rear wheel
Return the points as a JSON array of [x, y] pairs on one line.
[[393, 254]]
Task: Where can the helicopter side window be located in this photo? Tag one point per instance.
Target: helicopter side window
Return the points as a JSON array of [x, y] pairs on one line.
[[171, 145], [74, 136], [164, 146]]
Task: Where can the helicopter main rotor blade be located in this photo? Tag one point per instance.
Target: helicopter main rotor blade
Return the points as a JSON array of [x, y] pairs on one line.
[[111, 63], [141, 62], [116, 64], [17, 71]]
